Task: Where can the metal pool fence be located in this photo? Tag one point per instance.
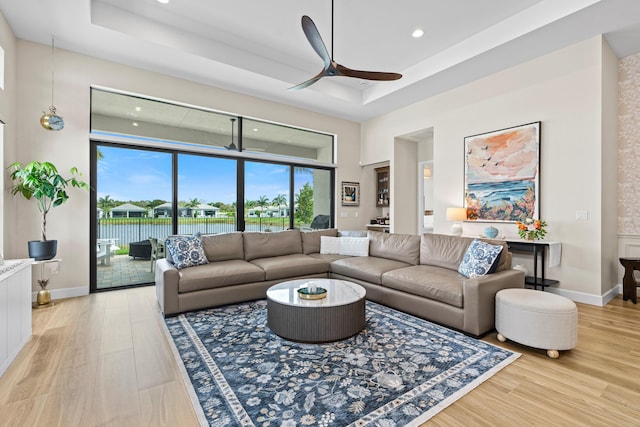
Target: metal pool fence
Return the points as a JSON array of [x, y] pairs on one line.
[[126, 230]]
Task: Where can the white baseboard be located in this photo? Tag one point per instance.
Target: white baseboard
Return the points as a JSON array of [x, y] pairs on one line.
[[64, 293], [591, 299]]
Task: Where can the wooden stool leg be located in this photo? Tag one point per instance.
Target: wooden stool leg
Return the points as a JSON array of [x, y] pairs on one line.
[[554, 354], [629, 283]]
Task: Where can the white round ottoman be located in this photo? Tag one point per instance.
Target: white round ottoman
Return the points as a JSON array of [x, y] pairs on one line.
[[537, 319]]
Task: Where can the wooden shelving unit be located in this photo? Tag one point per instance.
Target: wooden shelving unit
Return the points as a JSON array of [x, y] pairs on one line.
[[383, 187]]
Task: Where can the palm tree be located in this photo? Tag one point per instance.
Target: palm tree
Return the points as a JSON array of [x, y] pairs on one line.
[[104, 203], [279, 200], [263, 201], [193, 203]]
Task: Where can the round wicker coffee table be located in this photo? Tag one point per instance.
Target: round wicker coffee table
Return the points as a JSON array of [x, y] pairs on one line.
[[338, 316]]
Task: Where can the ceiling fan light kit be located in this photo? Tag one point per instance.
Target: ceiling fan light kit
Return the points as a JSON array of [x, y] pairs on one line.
[[331, 67]]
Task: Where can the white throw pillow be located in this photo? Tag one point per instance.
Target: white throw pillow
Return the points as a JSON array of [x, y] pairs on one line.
[[354, 246], [329, 245]]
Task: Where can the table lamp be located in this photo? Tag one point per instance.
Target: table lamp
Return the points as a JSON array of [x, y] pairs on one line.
[[456, 214]]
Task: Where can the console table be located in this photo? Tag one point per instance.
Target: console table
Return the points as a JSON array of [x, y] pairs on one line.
[[537, 248]]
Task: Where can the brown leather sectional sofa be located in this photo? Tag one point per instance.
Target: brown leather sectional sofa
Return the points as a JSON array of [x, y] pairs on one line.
[[414, 274]]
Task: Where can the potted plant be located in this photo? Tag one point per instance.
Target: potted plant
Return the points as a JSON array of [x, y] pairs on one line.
[[41, 181]]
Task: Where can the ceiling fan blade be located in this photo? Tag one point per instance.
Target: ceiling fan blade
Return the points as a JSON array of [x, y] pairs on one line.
[[309, 82], [367, 75], [315, 40]]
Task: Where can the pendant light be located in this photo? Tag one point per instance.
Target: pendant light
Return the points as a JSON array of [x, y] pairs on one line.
[[51, 120]]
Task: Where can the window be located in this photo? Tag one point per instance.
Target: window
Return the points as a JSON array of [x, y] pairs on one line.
[[158, 122], [206, 194], [313, 198], [160, 168]]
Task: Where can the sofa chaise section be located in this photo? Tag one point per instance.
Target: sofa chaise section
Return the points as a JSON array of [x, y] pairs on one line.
[[435, 290]]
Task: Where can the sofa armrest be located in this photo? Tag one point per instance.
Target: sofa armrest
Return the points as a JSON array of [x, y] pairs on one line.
[[479, 296], [167, 278]]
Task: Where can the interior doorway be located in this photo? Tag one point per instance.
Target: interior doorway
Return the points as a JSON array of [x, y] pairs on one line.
[[425, 178]]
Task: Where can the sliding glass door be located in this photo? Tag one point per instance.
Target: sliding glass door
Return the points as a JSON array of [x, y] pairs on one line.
[[143, 195], [266, 189], [207, 191], [313, 198], [132, 187]]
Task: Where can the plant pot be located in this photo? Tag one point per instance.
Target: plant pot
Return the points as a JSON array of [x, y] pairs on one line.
[[43, 250]]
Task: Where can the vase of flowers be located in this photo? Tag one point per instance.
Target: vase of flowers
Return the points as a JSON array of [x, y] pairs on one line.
[[531, 229]]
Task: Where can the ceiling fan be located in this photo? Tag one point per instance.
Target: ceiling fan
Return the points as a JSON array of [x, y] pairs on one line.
[[232, 146], [331, 67]]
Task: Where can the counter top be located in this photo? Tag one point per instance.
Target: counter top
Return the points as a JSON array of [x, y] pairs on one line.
[[11, 266]]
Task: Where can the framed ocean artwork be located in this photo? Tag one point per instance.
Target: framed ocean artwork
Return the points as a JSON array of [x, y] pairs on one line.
[[502, 174]]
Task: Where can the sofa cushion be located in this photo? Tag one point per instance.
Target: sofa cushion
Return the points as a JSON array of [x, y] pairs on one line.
[[311, 239], [223, 247], [219, 274], [263, 245], [328, 257], [447, 251], [481, 258], [286, 266], [186, 251], [399, 247], [369, 269], [353, 246], [504, 262], [439, 284], [352, 233], [329, 245], [443, 251]]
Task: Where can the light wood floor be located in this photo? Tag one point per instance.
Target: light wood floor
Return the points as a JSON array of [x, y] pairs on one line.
[[104, 360]]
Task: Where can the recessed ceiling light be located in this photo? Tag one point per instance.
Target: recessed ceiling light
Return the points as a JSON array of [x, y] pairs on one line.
[[255, 129], [417, 33], [134, 124], [163, 1], [138, 108]]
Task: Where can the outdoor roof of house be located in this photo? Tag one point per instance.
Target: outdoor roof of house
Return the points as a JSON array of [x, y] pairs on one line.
[[128, 207]]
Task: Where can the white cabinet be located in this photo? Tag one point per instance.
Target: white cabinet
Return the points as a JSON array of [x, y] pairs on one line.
[[15, 309]]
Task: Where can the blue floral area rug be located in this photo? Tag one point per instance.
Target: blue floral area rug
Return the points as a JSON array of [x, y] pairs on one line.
[[399, 371]]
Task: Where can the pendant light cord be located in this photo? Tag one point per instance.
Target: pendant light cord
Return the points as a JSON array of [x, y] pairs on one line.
[[52, 107]]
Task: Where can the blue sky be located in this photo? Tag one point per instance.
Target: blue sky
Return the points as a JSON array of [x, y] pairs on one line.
[[128, 174]]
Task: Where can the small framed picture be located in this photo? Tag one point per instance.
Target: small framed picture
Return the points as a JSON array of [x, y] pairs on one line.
[[350, 194]]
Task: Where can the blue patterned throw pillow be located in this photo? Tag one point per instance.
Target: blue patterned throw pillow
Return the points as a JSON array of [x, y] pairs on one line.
[[481, 258], [186, 251]]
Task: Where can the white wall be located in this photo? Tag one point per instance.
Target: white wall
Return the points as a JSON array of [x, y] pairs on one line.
[[609, 171], [404, 187], [7, 115], [70, 147], [563, 90]]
